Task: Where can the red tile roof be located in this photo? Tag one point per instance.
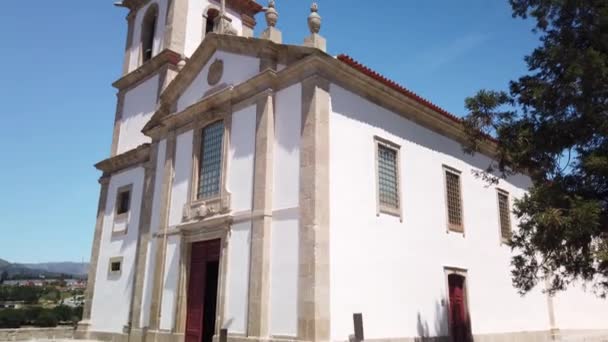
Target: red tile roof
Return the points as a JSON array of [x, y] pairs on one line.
[[394, 85]]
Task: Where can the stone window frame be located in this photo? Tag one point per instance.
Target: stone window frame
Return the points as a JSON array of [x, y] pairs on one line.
[[124, 216], [205, 18], [220, 203], [380, 208], [449, 226], [499, 192], [114, 260]]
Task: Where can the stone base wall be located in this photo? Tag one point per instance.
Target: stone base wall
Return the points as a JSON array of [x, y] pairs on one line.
[[524, 336], [26, 334], [164, 336]]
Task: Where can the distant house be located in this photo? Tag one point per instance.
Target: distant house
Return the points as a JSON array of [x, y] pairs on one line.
[[11, 304]]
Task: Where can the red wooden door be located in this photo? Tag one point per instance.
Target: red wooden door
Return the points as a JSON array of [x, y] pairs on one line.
[[201, 255], [459, 315]]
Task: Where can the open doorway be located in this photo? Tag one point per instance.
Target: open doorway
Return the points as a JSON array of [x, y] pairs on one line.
[[202, 291]]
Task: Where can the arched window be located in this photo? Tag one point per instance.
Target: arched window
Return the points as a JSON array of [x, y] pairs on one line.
[[212, 14], [148, 31]]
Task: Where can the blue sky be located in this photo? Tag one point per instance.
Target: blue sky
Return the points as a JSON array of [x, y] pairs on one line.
[[59, 59]]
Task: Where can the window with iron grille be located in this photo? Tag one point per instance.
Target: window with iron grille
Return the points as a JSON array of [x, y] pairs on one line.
[[504, 214], [210, 174], [388, 180], [454, 202]]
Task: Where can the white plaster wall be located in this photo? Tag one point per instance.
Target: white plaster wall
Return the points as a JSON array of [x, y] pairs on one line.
[[181, 177], [112, 294], [579, 308], [170, 281], [194, 23], [138, 107], [135, 47], [241, 156], [285, 225], [237, 68], [237, 282], [284, 273], [154, 227], [392, 271]]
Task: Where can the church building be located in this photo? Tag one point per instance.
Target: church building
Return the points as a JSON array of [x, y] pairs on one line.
[[274, 192]]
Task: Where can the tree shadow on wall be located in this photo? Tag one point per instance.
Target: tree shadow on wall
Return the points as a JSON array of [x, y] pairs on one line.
[[439, 322]]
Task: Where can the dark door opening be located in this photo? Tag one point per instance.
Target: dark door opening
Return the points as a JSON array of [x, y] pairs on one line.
[[202, 291], [460, 328]]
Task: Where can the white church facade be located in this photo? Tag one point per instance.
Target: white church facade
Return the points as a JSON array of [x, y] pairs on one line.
[[273, 190]]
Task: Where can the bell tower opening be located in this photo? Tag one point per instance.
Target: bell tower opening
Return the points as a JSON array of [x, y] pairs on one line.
[[211, 16], [148, 31]]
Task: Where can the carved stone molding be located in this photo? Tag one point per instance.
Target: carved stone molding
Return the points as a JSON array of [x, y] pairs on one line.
[[134, 157], [216, 71]]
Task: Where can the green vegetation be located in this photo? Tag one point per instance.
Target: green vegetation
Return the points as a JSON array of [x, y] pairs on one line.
[[38, 316], [27, 294], [553, 126], [43, 305]]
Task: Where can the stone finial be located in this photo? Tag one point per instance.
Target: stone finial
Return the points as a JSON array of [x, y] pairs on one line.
[[314, 19], [271, 14], [314, 24]]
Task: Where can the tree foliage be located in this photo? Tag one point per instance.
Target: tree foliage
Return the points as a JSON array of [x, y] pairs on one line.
[[553, 126]]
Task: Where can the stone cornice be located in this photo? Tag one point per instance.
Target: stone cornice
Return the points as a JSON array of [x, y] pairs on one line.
[[336, 72], [248, 7], [147, 69], [285, 54], [136, 156], [132, 5]]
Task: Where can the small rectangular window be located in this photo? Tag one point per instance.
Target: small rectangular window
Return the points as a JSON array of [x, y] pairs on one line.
[[453, 199], [123, 200], [210, 168], [504, 215], [387, 172], [115, 267]]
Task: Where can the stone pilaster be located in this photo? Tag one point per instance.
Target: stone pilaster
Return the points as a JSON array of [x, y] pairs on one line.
[[101, 208], [117, 119], [143, 238], [313, 278], [175, 28], [161, 241], [259, 276], [130, 29]]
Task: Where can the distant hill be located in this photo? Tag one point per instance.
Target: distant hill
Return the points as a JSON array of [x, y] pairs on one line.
[[75, 268], [45, 270]]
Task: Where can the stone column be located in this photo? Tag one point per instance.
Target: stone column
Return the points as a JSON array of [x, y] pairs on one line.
[[259, 276], [313, 278], [101, 208], [143, 238], [161, 239]]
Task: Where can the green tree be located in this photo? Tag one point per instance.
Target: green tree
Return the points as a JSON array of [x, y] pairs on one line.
[[3, 276], [553, 126], [47, 318], [11, 318]]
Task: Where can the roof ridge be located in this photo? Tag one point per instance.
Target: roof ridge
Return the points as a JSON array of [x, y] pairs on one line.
[[396, 86]]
